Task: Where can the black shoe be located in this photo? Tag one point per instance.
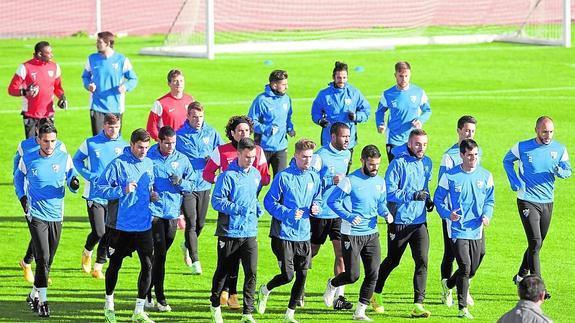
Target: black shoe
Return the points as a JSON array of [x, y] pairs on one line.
[[43, 310], [342, 304], [547, 295], [33, 303]]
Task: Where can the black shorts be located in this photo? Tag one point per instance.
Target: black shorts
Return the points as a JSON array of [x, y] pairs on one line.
[[294, 254], [321, 228], [123, 243]]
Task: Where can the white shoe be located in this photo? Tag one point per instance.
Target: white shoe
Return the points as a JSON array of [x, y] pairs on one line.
[[470, 301], [149, 304], [247, 318], [446, 294], [329, 294], [186, 254], [262, 300], [361, 317], [164, 308], [216, 313], [196, 268]]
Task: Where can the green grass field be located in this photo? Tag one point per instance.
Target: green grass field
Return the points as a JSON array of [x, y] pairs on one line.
[[506, 87]]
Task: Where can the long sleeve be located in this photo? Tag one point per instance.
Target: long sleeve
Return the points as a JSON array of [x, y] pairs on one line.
[[489, 202], [317, 111], [272, 202], [336, 198], [154, 120], [392, 180], [363, 109], [380, 113], [254, 114], [440, 198], [563, 169], [58, 89], [209, 172], [220, 197], [87, 74], [508, 163], [70, 173], [289, 123], [16, 84], [382, 209], [79, 164], [425, 108], [131, 79], [19, 177], [109, 186], [263, 169], [188, 177]]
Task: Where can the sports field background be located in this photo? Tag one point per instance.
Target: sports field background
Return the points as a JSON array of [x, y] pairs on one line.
[[506, 87]]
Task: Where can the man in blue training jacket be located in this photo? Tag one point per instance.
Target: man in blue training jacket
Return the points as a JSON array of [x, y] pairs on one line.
[[40, 183], [540, 160], [408, 107], [294, 196], [465, 195], [271, 113], [235, 198], [127, 184], [359, 199]]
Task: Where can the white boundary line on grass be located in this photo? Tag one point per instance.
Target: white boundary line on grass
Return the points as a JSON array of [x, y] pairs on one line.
[[454, 95]]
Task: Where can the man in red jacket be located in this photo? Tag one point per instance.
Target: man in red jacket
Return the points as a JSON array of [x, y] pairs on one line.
[[37, 81]]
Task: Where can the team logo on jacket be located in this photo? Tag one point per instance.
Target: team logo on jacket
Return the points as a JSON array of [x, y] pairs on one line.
[[479, 184], [379, 188], [309, 186], [175, 165], [391, 236], [285, 106], [413, 98], [115, 66], [553, 155], [457, 188], [347, 101], [206, 140], [394, 104], [97, 153], [51, 73], [55, 168], [346, 245], [34, 171], [525, 212], [117, 151]]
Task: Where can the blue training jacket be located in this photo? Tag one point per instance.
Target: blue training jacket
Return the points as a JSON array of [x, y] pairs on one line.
[[99, 151], [43, 180], [329, 162], [271, 114], [127, 211], [292, 189], [359, 195], [174, 164], [538, 166], [197, 145], [472, 193], [334, 104], [235, 197], [405, 176]]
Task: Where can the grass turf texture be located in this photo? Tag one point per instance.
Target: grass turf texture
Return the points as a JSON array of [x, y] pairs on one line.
[[506, 87]]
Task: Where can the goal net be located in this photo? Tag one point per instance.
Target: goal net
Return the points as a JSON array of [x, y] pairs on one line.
[[203, 28]]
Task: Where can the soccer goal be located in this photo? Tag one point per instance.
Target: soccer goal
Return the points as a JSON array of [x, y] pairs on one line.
[[204, 28]]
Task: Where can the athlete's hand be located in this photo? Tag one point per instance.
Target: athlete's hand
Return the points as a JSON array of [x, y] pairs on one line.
[[323, 122], [420, 195], [175, 180], [381, 128], [24, 203], [122, 88], [298, 214], [92, 87], [485, 221], [336, 179], [454, 215], [416, 124], [62, 102], [291, 133], [562, 170], [314, 209], [154, 196], [389, 218], [74, 183], [429, 205], [356, 220], [131, 187], [31, 91], [351, 115]]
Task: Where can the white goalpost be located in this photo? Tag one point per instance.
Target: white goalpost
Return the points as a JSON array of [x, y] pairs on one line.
[[204, 28]]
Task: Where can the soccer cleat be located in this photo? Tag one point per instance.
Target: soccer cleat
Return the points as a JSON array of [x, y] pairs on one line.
[[247, 318], [149, 304], [446, 294], [419, 311], [329, 294], [186, 253], [196, 268], [43, 310], [341, 304], [216, 314], [464, 314], [470, 301], [262, 300], [86, 263], [361, 317], [141, 317], [98, 274], [33, 303], [27, 269], [288, 319], [233, 302], [224, 298], [110, 316], [376, 302], [163, 306]]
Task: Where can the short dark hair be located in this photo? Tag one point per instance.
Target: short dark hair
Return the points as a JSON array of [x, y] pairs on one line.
[[336, 127], [111, 118], [304, 144], [139, 135], [107, 37], [166, 131], [246, 143], [370, 151], [40, 46], [465, 119], [401, 66], [173, 73], [43, 121], [278, 75], [234, 122], [339, 66], [197, 106], [47, 128], [531, 288], [417, 132], [541, 119], [467, 145]]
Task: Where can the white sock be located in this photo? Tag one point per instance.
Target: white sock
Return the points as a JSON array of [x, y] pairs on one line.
[[139, 305], [360, 309], [98, 266], [265, 290], [290, 313], [109, 302], [42, 291], [87, 252], [34, 292], [340, 291]]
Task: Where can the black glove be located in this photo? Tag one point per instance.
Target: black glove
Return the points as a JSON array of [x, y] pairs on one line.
[[351, 115], [175, 179], [420, 195], [62, 102], [323, 122], [24, 203], [74, 183], [429, 205]]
